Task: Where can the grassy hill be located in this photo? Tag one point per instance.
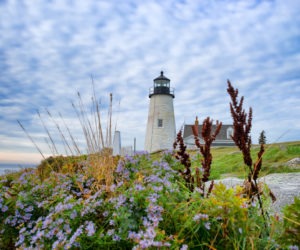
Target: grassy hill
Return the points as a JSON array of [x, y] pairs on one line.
[[228, 161]]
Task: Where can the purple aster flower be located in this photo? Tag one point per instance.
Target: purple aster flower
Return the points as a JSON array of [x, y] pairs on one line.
[[244, 205], [73, 214], [68, 246], [29, 209], [106, 213], [157, 189], [197, 217], [116, 238], [4, 208], [131, 235], [157, 243], [59, 221], [55, 244], [21, 240], [90, 228], [146, 223], [146, 243], [184, 247], [110, 232], [39, 234], [112, 187], [207, 225], [293, 247], [150, 233], [77, 233], [139, 187], [167, 184], [46, 223], [240, 230], [67, 229]]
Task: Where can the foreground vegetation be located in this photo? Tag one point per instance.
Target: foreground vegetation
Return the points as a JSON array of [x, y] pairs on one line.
[[97, 201], [147, 205]]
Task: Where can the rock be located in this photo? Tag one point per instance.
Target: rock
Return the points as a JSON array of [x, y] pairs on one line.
[[294, 163], [284, 186], [234, 152], [282, 147]]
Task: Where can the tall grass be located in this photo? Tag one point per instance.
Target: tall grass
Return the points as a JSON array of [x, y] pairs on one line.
[[100, 163]]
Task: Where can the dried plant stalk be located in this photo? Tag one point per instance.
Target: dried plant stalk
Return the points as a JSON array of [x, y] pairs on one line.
[[208, 138], [184, 158], [242, 139]]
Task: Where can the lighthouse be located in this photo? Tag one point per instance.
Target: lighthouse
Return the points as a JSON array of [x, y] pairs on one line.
[[161, 130]]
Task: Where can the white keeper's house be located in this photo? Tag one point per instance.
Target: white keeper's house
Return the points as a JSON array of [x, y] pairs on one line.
[[223, 139]]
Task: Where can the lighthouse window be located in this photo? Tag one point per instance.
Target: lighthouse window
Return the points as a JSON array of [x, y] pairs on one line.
[[160, 123]]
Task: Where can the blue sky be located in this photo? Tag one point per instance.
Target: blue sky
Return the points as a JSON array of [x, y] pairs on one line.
[[49, 49]]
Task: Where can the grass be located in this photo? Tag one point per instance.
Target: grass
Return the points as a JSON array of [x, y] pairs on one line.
[[228, 161]]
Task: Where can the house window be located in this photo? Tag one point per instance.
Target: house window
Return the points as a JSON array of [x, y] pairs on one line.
[[229, 133], [160, 123]]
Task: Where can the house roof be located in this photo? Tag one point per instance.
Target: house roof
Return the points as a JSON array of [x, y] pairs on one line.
[[221, 136]]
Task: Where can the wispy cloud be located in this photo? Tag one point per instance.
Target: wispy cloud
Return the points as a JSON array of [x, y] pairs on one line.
[[48, 50]]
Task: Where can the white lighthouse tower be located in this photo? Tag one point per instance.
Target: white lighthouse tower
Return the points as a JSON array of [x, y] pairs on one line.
[[161, 130]]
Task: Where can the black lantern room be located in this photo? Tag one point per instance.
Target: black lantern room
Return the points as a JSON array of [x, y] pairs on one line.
[[161, 86]]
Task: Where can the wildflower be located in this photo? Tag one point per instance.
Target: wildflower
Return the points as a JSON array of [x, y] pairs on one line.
[[21, 240], [184, 247], [46, 223], [197, 217], [67, 229], [110, 232], [167, 184], [40, 234], [29, 209], [112, 187], [105, 214], [293, 247], [244, 205], [150, 233], [4, 208], [240, 230], [90, 228], [133, 235], [73, 215], [116, 238], [139, 187], [157, 189], [59, 221], [207, 225], [76, 234], [146, 223], [157, 244], [111, 222], [68, 246]]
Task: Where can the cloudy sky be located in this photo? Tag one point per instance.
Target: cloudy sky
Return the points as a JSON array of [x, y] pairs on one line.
[[49, 50]]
